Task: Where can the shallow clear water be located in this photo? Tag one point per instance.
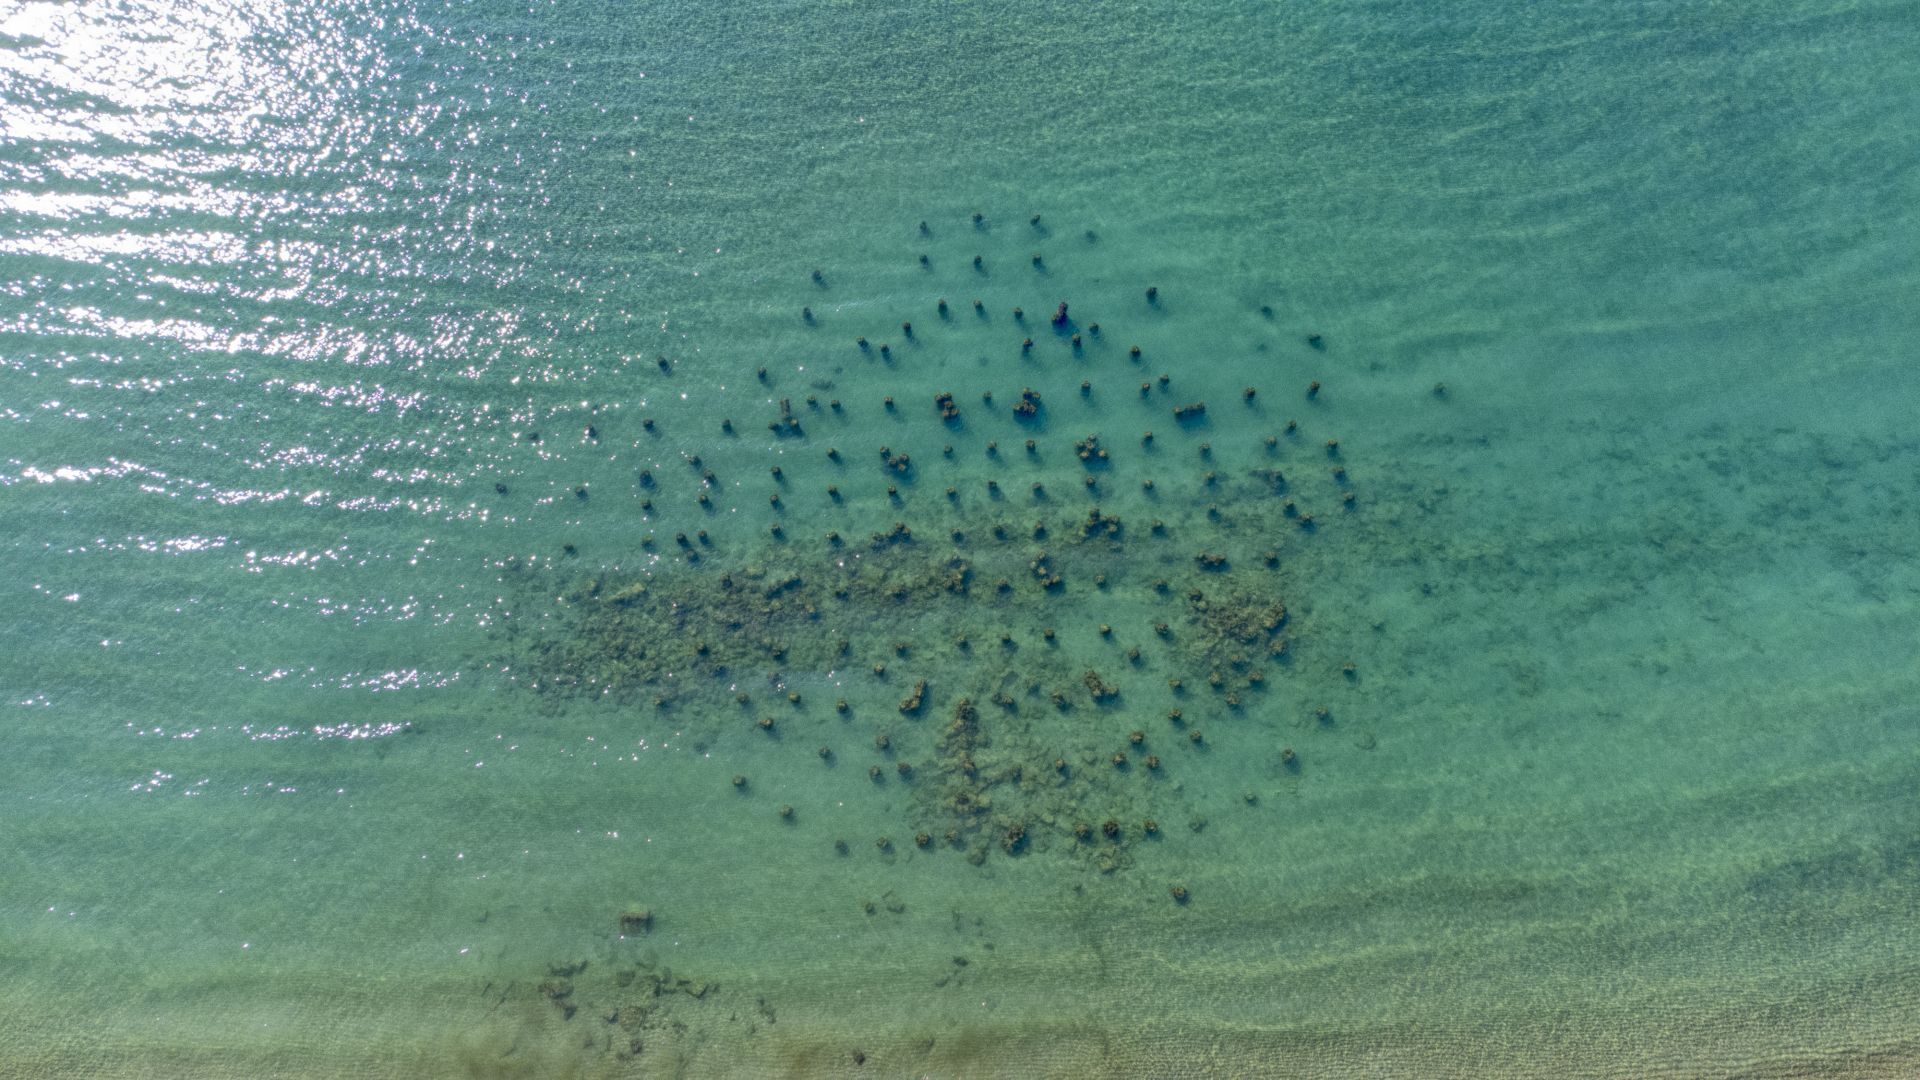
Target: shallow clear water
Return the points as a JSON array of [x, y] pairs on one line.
[[341, 737]]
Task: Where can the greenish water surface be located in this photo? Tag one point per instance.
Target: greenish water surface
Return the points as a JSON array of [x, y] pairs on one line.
[[473, 609]]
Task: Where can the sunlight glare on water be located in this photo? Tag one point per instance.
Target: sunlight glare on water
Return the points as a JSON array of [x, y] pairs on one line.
[[1340, 540]]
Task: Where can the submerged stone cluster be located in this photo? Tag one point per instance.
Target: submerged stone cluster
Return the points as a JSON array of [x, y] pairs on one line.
[[1001, 654]]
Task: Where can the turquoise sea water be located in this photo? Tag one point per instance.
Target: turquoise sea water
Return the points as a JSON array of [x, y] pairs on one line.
[[359, 696]]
